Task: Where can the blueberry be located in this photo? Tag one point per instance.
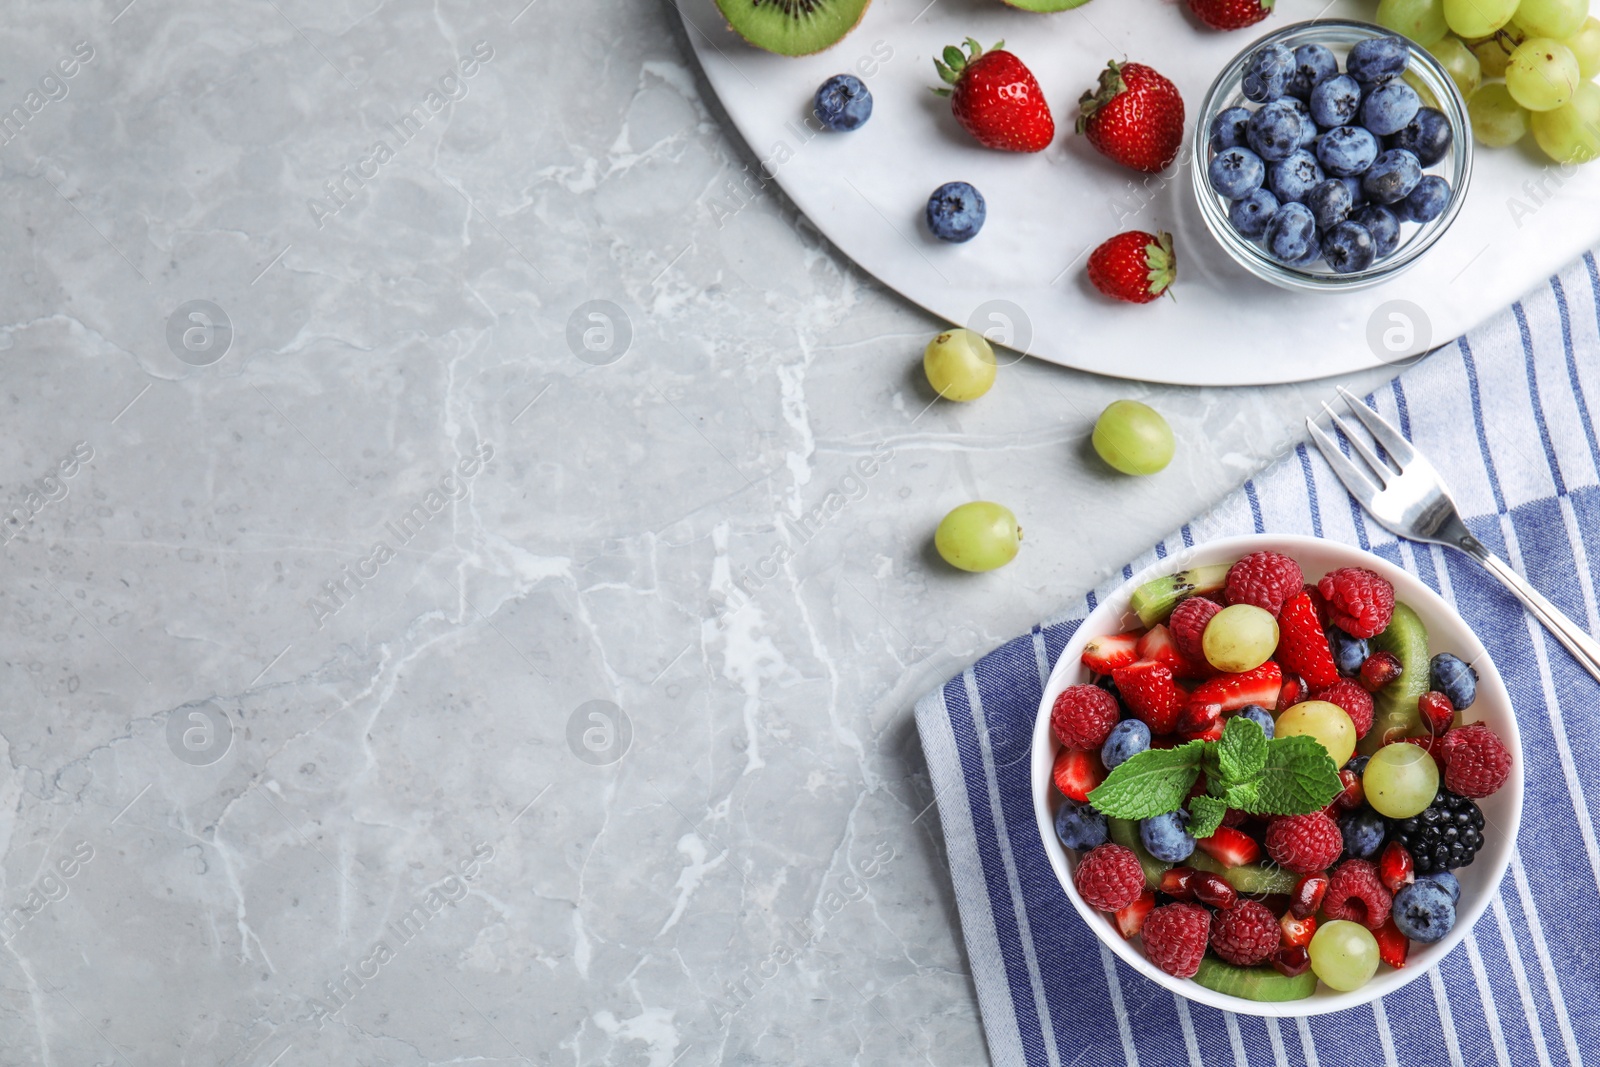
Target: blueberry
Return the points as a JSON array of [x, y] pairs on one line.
[[1392, 176], [1261, 717], [1166, 838], [1445, 880], [1330, 204], [1390, 107], [1428, 136], [1275, 131], [1357, 764], [1291, 232], [1347, 151], [1349, 653], [956, 212], [1080, 826], [1424, 911], [843, 103], [1427, 201], [1358, 195], [1384, 227], [1377, 59], [1363, 830], [1267, 74], [1312, 253], [1227, 129], [1249, 216], [1236, 173], [1335, 101], [1313, 65], [1127, 739], [1293, 178], [1348, 248], [1455, 678]]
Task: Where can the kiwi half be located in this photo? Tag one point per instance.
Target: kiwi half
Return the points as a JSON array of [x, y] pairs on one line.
[[793, 27]]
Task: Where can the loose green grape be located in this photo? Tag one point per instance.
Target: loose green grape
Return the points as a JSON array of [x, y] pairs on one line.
[[1542, 74], [1326, 722], [1497, 120], [959, 364], [1459, 62], [1133, 438], [1344, 954], [1494, 52], [1478, 18], [1571, 134], [1420, 20], [1585, 45], [1240, 638], [1401, 780], [1551, 18], [979, 536]]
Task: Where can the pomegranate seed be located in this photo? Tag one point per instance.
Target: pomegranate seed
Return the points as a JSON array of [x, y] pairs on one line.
[[1291, 960], [1395, 867], [1296, 930], [1293, 691], [1214, 890], [1379, 670], [1437, 711], [1308, 894], [1178, 882], [1354, 793]]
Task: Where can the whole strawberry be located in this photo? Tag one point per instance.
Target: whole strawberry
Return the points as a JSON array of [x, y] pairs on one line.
[[1230, 14], [1135, 117], [1135, 267], [996, 98]]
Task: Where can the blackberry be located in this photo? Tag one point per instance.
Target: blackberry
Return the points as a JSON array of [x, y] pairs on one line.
[[1446, 835]]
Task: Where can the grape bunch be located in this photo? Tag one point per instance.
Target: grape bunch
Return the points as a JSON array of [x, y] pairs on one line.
[[1521, 65]]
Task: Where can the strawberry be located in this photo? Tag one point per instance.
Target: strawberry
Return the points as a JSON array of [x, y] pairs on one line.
[[1134, 267], [1297, 930], [1077, 773], [1105, 654], [1230, 14], [1134, 117], [1392, 944], [1151, 694], [1230, 692], [1230, 847], [1293, 691], [1159, 646], [1130, 920], [1302, 644], [996, 98]]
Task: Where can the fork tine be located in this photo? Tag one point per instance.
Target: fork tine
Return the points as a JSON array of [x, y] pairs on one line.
[[1362, 449], [1359, 485], [1389, 437]]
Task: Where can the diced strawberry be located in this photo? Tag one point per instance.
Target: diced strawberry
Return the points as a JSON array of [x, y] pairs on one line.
[[1297, 930], [1230, 692], [1392, 944], [1105, 654], [1077, 773], [1130, 920], [1151, 694], [1159, 646], [1230, 847], [1302, 644], [1292, 693]]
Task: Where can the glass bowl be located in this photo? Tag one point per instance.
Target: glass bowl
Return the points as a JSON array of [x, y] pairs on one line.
[[1339, 36]]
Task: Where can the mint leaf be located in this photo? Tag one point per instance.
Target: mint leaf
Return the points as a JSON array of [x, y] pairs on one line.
[[1246, 796], [1242, 751], [1298, 778], [1154, 782], [1205, 815]]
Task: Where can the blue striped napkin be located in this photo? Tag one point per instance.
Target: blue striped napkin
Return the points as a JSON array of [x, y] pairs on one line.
[[1504, 413]]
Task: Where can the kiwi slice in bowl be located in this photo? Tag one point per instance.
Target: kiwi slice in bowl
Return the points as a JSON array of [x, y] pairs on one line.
[[793, 27]]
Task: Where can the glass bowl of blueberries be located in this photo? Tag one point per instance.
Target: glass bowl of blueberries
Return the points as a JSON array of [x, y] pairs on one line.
[[1331, 155]]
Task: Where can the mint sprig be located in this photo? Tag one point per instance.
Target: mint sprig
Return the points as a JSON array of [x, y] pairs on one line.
[[1151, 783]]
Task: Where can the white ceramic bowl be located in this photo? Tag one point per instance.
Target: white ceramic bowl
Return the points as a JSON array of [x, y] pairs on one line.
[[1447, 632]]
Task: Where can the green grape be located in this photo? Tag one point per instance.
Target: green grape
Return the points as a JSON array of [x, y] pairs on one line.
[[1326, 722], [1551, 18], [1478, 18], [1459, 62], [1585, 45], [1344, 954], [959, 364], [1571, 134], [1240, 638], [1497, 120], [1542, 74], [1133, 438], [979, 536], [1495, 52], [1420, 20], [1400, 780]]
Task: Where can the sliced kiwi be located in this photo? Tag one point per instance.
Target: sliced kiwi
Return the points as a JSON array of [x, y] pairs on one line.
[[1046, 5], [1394, 707], [1254, 983], [1126, 832], [1249, 878], [793, 27], [1155, 599]]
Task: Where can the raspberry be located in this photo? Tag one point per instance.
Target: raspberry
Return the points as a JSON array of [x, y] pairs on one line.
[[1083, 716], [1265, 579], [1109, 878], [1175, 938], [1476, 762], [1304, 844], [1360, 602], [1188, 622], [1356, 893], [1246, 934], [1356, 702], [1302, 646]]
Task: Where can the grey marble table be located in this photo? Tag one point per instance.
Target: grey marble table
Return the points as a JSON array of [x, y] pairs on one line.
[[464, 590]]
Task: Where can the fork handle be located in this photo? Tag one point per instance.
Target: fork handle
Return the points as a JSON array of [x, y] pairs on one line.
[[1583, 647]]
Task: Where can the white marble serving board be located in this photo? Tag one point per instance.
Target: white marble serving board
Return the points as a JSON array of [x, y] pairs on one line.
[[865, 190]]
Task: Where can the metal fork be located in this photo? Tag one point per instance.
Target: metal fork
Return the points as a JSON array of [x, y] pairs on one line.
[[1414, 503]]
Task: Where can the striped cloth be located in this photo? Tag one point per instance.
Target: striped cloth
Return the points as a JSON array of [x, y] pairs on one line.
[[1504, 413]]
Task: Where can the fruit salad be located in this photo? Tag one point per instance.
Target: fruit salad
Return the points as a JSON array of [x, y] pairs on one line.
[[1270, 781]]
